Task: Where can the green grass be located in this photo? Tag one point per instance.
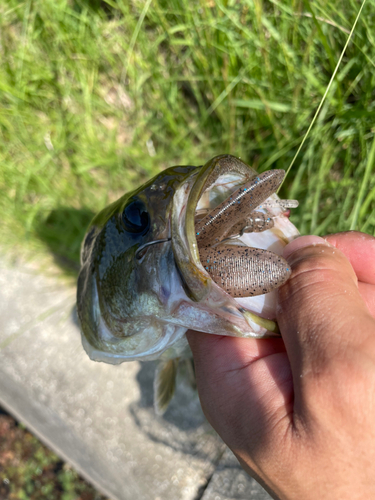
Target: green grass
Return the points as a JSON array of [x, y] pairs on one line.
[[96, 97]]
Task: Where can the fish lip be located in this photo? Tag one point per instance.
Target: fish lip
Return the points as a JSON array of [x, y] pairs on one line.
[[196, 281], [115, 358]]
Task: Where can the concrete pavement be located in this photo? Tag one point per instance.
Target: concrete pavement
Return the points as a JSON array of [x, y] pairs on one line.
[[100, 417]]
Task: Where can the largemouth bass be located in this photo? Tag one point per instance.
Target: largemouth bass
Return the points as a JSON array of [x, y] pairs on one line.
[[194, 248]]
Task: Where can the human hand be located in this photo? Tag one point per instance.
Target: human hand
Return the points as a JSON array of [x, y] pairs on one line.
[[299, 412]]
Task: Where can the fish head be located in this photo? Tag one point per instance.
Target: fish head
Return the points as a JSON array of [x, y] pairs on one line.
[[125, 281]]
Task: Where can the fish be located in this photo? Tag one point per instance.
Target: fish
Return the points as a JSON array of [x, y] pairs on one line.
[[193, 248]]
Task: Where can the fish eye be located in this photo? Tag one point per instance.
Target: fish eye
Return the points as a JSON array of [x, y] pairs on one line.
[[135, 217]]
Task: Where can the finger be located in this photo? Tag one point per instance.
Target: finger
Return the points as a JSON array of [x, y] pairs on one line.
[[368, 294], [359, 248], [216, 354], [320, 310]]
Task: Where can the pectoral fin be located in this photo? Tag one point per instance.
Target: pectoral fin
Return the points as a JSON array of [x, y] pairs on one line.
[[191, 373], [164, 384]]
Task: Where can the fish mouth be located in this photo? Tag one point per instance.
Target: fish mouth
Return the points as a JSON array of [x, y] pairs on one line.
[[212, 184], [207, 188]]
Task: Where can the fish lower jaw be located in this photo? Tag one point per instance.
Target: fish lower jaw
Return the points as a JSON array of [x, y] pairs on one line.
[[146, 345]]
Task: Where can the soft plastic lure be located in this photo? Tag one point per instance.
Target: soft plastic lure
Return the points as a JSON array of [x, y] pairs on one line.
[[243, 271]]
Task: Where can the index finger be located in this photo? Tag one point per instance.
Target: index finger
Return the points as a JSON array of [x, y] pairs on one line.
[[359, 249]]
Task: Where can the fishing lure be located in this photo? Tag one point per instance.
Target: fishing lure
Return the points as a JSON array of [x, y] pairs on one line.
[[243, 271]]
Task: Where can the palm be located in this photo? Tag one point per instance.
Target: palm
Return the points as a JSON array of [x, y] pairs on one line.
[[244, 379]]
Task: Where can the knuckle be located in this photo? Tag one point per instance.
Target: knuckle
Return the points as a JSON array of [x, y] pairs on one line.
[[315, 271]]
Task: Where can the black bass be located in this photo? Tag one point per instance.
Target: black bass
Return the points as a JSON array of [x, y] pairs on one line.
[[194, 248]]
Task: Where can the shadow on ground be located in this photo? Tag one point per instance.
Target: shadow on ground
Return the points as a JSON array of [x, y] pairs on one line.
[[62, 233], [182, 424]]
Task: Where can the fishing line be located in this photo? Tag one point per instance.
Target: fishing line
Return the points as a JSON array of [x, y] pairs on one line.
[[325, 93]]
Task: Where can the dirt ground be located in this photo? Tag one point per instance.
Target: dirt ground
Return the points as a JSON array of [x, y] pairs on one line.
[[30, 471]]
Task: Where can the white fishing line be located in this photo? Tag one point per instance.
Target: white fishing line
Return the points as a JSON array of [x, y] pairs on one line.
[[325, 93]]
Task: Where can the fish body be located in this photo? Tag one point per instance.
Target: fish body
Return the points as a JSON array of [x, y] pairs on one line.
[[143, 281]]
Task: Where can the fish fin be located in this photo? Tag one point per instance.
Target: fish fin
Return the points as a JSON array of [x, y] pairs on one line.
[[191, 373], [164, 384]]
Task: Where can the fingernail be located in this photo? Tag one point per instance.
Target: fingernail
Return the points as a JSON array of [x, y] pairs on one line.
[[302, 242]]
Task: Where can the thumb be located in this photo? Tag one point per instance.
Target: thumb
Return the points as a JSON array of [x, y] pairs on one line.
[[321, 313]]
